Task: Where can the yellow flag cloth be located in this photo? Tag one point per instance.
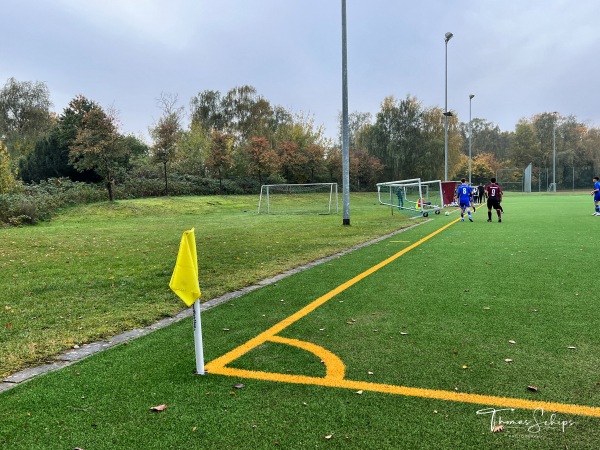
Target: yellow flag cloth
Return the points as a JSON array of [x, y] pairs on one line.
[[184, 281]]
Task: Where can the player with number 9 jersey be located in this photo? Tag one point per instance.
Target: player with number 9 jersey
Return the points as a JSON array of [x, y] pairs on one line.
[[493, 192]]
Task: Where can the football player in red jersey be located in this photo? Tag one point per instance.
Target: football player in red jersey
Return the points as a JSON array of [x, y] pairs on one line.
[[493, 192]]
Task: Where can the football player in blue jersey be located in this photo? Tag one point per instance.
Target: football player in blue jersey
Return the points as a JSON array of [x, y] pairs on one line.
[[463, 197]]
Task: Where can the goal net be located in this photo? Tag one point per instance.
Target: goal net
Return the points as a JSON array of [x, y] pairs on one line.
[[311, 198], [413, 195]]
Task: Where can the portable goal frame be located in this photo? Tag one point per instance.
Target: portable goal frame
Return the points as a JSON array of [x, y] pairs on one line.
[[413, 195]]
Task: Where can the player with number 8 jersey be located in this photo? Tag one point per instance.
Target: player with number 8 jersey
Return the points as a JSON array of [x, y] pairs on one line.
[[463, 196]]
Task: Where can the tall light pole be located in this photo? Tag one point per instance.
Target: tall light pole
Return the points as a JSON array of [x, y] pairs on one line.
[[345, 133], [554, 151], [448, 36], [470, 135]]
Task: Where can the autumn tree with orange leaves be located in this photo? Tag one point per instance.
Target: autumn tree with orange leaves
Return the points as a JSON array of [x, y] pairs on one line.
[[261, 158]]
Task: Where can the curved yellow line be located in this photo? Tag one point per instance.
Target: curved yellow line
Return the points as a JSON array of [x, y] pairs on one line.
[[335, 368]]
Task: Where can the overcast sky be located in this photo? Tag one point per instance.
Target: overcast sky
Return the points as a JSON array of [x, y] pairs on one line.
[[518, 58]]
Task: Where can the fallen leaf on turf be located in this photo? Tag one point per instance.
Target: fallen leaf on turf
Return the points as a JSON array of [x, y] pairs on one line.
[[359, 392], [572, 347], [532, 388], [8, 325], [329, 436], [498, 428], [508, 360], [465, 366], [350, 323], [404, 333], [225, 329], [512, 342], [370, 373], [158, 408], [239, 386], [194, 429]]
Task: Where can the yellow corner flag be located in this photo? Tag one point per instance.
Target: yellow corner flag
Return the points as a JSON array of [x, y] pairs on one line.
[[184, 281]]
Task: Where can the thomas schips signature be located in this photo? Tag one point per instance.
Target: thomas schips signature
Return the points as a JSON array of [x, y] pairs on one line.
[[538, 421]]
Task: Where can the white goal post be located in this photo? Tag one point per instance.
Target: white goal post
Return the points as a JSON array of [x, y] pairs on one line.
[[412, 195], [317, 198]]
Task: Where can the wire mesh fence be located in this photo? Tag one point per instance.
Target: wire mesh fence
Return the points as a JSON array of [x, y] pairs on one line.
[[542, 179]]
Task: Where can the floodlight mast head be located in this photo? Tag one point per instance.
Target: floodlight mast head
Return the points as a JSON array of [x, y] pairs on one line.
[[471, 96], [448, 36]]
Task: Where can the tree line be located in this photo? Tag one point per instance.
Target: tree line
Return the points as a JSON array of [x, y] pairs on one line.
[[240, 137], [408, 139]]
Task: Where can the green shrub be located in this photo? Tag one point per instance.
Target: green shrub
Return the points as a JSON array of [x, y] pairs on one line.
[[40, 201]]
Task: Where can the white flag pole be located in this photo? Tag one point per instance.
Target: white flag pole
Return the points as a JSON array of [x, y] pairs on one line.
[[198, 339]]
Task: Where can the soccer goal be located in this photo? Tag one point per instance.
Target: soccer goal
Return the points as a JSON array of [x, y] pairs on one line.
[[412, 196], [310, 198]]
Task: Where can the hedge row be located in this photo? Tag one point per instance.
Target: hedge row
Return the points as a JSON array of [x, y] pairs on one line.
[[38, 202]]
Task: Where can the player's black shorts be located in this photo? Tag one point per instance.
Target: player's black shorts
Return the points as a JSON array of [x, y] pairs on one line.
[[493, 203]]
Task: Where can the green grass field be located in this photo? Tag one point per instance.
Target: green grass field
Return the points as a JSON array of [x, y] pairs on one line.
[[428, 344]]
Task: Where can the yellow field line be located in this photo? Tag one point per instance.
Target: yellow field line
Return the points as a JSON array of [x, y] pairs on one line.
[[334, 365], [434, 394], [264, 336], [336, 369]]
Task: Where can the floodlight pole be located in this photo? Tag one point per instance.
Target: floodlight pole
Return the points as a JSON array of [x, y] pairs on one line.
[[470, 135], [345, 135], [448, 36], [554, 151]]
